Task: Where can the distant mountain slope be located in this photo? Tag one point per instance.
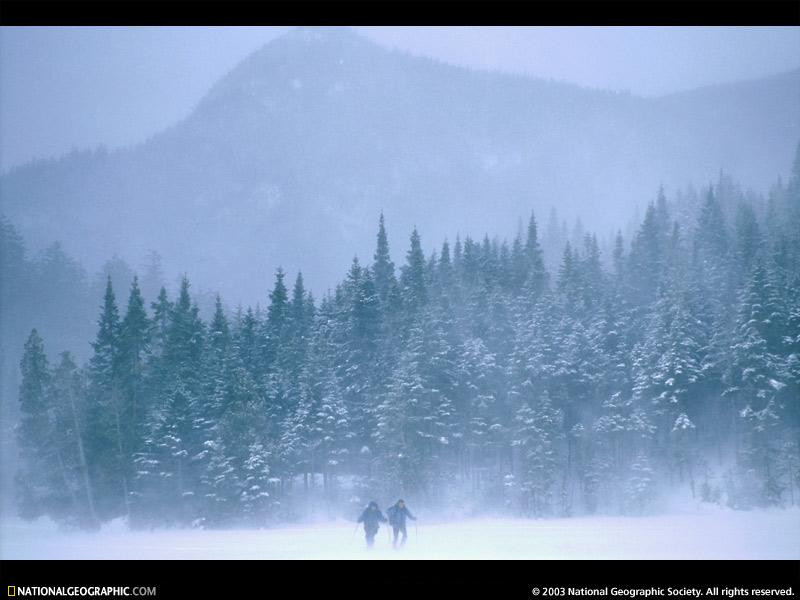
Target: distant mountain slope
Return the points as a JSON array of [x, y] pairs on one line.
[[290, 157]]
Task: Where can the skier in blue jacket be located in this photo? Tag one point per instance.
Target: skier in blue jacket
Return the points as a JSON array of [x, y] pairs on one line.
[[397, 519]]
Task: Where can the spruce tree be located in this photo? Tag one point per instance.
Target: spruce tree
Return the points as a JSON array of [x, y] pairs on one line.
[[383, 267], [412, 281], [105, 438], [535, 272], [134, 347], [753, 378], [68, 394], [35, 430], [537, 433]]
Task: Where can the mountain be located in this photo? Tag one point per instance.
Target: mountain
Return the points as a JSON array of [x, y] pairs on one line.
[[289, 159]]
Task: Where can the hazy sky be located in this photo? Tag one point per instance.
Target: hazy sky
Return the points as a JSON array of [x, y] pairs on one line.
[[77, 87]]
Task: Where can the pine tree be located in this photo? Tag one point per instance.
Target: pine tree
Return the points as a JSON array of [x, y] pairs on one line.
[[105, 439], [153, 279], [326, 443], [299, 326], [68, 393], [611, 435], [711, 252], [412, 281], [475, 408], [217, 485], [568, 279], [383, 267], [134, 346], [619, 257], [537, 433], [536, 273], [748, 238], [411, 428], [274, 331], [752, 380], [34, 432], [640, 488], [156, 376], [647, 257], [177, 428], [246, 342]]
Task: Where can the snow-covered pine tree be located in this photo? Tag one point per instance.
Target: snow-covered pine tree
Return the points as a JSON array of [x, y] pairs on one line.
[[538, 433], [34, 431], [641, 484], [68, 395], [752, 380], [105, 419]]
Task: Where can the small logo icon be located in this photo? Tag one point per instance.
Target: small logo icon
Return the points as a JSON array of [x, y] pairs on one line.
[[12, 590]]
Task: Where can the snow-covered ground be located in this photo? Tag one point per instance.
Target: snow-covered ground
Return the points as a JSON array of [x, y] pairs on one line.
[[715, 534]]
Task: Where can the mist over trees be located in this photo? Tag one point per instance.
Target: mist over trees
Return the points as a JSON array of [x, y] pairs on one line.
[[470, 379], [322, 121]]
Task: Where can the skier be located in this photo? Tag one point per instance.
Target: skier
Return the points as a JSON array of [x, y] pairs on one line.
[[371, 517], [397, 519]]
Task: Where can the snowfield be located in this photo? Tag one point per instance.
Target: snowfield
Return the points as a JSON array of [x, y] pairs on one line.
[[773, 534]]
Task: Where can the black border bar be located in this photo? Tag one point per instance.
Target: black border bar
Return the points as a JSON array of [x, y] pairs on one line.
[[396, 12], [409, 580]]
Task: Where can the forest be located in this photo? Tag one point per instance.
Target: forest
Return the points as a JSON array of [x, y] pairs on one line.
[[470, 379]]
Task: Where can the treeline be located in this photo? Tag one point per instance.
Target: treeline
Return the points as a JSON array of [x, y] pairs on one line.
[[470, 379], [52, 291]]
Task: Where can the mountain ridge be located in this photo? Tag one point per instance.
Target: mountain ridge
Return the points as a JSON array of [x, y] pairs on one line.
[[103, 148], [294, 152]]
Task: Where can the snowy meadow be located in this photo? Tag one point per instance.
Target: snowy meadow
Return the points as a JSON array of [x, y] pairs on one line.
[[710, 534]]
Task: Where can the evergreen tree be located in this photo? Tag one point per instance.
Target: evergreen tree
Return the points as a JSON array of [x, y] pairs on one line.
[[748, 238], [383, 267], [640, 487], [535, 271], [753, 378], [277, 320], [299, 325], [35, 431], [68, 393], [537, 434], [177, 430], [134, 346], [413, 277], [105, 438]]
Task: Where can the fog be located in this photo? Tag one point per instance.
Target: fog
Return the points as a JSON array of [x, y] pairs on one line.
[[257, 277], [327, 122], [714, 535], [80, 87]]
